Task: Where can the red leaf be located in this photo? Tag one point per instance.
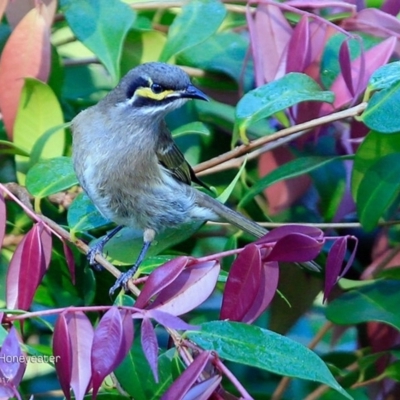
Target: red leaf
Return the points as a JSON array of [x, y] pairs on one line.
[[63, 353], [334, 264], [3, 5], [345, 66], [3, 218], [183, 384], [127, 333], [204, 389], [16, 10], [242, 285], [11, 369], [81, 337], [25, 54], [190, 289], [27, 267], [282, 231], [295, 247], [268, 284], [169, 320], [160, 278], [299, 48], [270, 33], [69, 258], [106, 348], [150, 346]]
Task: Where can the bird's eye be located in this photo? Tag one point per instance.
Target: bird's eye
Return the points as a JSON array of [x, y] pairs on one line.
[[156, 88]]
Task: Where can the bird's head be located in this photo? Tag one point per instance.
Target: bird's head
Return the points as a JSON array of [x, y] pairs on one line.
[[154, 89]]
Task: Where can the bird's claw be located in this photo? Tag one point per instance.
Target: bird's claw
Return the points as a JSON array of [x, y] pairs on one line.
[[123, 280], [91, 256]]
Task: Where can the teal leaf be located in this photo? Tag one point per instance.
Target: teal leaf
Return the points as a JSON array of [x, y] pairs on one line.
[[289, 170], [198, 20], [378, 189], [224, 196], [267, 350], [101, 25], [192, 128], [381, 113], [276, 96], [378, 301], [51, 176], [385, 77]]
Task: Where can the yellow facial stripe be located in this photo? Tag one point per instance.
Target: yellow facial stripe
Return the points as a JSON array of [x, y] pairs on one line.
[[148, 93]]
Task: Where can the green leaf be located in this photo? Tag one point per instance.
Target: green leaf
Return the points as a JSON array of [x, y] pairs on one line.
[[83, 215], [381, 114], [224, 196], [375, 146], [11, 148], [192, 128], [101, 25], [38, 111], [291, 169], [268, 99], [260, 348], [198, 20], [51, 176], [384, 77], [378, 301], [378, 189]]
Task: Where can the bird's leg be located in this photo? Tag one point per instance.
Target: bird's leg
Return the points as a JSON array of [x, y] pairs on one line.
[[148, 237], [98, 248]]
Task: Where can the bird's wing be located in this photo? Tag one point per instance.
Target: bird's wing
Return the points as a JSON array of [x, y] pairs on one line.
[[170, 157]]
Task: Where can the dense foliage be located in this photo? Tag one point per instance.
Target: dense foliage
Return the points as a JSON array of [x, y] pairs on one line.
[[301, 134]]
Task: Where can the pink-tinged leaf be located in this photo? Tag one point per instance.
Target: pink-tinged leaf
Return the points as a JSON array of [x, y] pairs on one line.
[[69, 258], [204, 389], [63, 353], [374, 58], [182, 385], [190, 289], [11, 358], [345, 66], [150, 346], [282, 231], [127, 333], [81, 337], [170, 321], [27, 268], [16, 10], [242, 285], [160, 278], [270, 33], [283, 194], [47, 243], [295, 247], [3, 218], [106, 348], [266, 292], [334, 264], [32, 34], [299, 51]]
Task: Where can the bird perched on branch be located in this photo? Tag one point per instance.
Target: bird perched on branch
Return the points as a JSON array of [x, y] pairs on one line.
[[129, 166]]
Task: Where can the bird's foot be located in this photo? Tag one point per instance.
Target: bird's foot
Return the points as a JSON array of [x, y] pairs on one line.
[[92, 253], [123, 279]]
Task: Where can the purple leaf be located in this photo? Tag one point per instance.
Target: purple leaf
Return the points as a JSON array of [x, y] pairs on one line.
[[150, 346], [28, 266], [191, 288], [242, 285], [63, 353], [12, 361], [299, 51], [170, 321], [160, 278], [69, 258], [351, 258], [391, 7], [279, 233], [81, 337], [204, 389], [345, 66], [3, 218], [106, 348], [183, 384], [334, 264], [268, 284], [295, 247], [127, 333]]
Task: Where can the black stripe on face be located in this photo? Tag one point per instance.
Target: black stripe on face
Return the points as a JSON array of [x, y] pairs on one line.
[[137, 83], [141, 101]]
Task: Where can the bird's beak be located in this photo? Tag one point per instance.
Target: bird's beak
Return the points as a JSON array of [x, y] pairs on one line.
[[191, 92]]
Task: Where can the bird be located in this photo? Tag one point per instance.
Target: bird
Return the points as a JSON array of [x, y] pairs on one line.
[[128, 164]]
